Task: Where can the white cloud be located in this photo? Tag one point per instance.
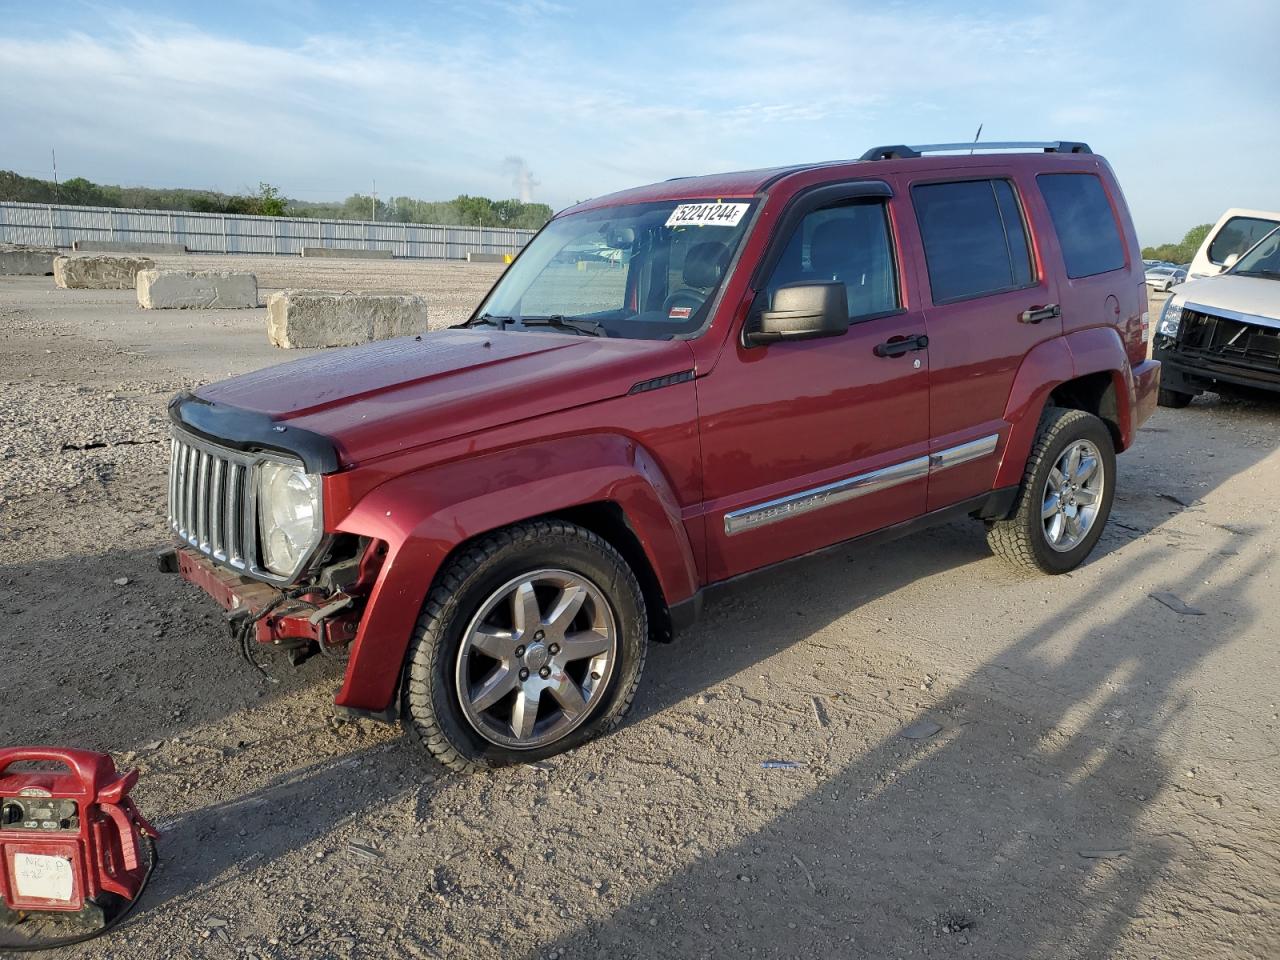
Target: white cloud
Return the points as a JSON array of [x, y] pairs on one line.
[[593, 102]]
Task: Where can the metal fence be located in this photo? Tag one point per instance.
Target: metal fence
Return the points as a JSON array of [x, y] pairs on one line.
[[44, 224]]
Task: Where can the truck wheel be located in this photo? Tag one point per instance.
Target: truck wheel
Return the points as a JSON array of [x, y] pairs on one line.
[[1065, 497], [1174, 398], [531, 642]]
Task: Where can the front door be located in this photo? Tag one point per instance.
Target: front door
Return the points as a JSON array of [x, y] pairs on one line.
[[809, 443]]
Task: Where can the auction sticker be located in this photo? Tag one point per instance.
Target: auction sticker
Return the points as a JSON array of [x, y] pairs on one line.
[[707, 214], [48, 878]]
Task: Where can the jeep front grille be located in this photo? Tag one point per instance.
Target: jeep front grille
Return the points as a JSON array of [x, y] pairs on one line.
[[211, 501]]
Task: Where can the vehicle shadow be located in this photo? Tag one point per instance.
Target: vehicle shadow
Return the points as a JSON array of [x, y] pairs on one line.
[[1025, 829], [114, 666]]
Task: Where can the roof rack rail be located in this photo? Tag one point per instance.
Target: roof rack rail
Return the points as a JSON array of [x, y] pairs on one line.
[[902, 152]]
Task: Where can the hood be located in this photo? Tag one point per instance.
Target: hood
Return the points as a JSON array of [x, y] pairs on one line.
[[1256, 296], [392, 395]]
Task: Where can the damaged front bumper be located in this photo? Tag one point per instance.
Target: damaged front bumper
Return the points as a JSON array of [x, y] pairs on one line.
[[299, 618]]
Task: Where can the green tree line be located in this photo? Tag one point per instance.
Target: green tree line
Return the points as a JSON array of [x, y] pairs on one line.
[[267, 201], [1179, 252]]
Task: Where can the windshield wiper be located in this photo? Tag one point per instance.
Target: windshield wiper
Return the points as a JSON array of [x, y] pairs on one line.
[[1273, 274], [591, 327], [499, 322]]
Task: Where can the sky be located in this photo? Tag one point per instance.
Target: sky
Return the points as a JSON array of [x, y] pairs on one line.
[[559, 101]]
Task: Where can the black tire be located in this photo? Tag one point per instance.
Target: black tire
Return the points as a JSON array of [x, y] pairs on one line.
[[1174, 398], [431, 699], [1021, 540]]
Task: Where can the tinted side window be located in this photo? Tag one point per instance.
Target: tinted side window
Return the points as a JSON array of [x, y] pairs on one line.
[[848, 243], [1084, 223], [1237, 235], [974, 239]]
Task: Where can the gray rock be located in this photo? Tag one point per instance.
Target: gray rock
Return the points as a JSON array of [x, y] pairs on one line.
[[319, 318], [186, 289]]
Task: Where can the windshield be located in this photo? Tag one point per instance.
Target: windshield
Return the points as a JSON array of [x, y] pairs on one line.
[[643, 271], [1263, 260]]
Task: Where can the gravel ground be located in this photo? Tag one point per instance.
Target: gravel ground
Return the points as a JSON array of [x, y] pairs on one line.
[[985, 766]]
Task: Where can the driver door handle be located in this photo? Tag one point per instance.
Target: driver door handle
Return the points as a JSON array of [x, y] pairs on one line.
[[898, 346]]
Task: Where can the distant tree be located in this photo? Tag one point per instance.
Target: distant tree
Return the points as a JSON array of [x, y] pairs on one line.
[[1179, 252], [270, 203]]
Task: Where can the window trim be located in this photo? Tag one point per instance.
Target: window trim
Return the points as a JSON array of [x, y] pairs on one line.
[[1027, 238], [1115, 222], [810, 200]]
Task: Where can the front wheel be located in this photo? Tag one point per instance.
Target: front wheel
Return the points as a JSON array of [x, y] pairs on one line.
[[531, 642], [1065, 498]]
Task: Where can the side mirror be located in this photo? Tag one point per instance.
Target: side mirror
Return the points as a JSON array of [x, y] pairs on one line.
[[1231, 260], [803, 311]]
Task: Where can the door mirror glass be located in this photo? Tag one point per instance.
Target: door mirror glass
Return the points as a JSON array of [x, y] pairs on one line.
[[803, 311]]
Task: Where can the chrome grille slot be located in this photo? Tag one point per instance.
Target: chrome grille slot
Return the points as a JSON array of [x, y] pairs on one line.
[[210, 504]]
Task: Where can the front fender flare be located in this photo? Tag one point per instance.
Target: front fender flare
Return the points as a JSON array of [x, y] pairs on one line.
[[423, 516]]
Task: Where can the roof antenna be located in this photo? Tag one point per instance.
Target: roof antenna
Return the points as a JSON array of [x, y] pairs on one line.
[[975, 139]]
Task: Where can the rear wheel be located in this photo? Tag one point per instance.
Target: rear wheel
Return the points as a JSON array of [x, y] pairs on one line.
[[1173, 398], [531, 642], [1065, 498]]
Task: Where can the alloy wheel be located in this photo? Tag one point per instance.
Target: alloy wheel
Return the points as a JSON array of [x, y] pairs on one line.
[[536, 659], [1072, 495]]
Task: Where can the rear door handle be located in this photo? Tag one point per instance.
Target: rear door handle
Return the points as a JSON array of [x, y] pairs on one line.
[[898, 346], [1050, 311]]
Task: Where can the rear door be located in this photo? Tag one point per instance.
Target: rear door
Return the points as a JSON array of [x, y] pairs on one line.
[[990, 303]]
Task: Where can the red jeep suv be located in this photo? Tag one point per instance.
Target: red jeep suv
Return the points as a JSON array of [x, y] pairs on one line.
[[672, 387]]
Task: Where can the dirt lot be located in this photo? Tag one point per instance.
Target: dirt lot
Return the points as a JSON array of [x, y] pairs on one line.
[[1103, 782]]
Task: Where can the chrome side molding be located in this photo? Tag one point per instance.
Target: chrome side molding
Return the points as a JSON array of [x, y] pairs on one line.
[[973, 450], [829, 494]]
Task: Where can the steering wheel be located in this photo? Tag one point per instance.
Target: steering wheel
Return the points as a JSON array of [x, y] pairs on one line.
[[685, 296]]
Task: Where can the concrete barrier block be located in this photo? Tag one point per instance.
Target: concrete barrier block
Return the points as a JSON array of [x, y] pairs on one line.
[[345, 253], [19, 260], [474, 256], [99, 273], [126, 246], [321, 318], [196, 289]]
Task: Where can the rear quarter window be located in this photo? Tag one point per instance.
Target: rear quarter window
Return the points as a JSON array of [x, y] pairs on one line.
[[1237, 235], [1084, 222]]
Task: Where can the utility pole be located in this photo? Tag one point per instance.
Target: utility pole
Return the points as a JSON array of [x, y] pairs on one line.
[[54, 153], [373, 203]]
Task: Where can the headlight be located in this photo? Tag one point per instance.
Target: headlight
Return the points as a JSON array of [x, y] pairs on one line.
[[1170, 318], [289, 518]]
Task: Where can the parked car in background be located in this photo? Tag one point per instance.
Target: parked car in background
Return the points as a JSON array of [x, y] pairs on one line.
[[1163, 279], [1235, 232], [1223, 332], [488, 524]]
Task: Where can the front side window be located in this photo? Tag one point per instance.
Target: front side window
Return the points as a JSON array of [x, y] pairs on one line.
[[975, 243], [1237, 235], [643, 271], [1084, 223], [849, 244]]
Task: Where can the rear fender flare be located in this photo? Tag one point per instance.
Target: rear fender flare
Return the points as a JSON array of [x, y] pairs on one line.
[[1046, 367], [423, 516], [1101, 350]]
